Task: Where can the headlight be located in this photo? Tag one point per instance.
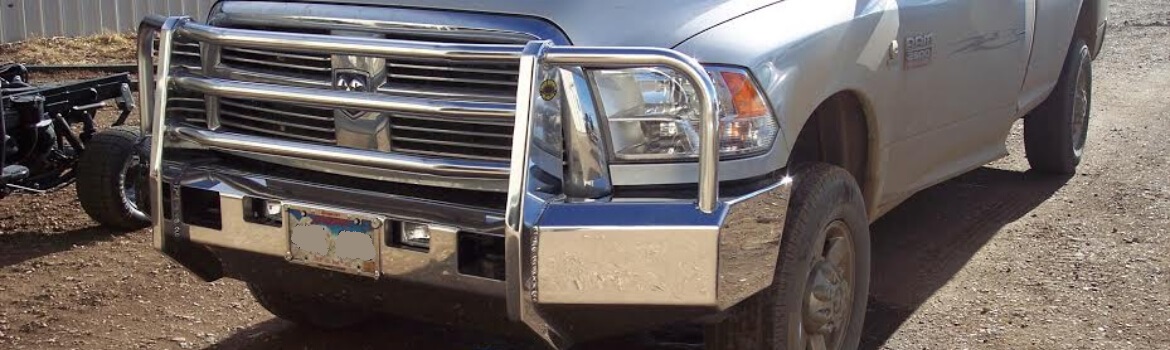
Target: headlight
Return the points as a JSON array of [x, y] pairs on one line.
[[652, 113]]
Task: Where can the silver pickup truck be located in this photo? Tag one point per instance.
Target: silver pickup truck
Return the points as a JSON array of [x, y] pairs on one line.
[[580, 169]]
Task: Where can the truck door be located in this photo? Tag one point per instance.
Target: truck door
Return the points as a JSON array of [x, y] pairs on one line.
[[962, 67]]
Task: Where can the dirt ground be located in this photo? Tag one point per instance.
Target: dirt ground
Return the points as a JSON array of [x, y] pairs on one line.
[[998, 258]]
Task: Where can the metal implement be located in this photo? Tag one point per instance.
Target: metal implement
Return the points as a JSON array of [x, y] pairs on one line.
[[40, 149]]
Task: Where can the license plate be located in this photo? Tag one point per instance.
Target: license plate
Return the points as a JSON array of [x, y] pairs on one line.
[[335, 240]]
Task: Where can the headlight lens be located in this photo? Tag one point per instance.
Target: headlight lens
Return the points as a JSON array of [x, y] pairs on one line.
[[653, 113]]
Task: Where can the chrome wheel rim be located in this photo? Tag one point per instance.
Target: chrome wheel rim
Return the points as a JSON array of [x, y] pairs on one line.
[[1081, 105], [128, 183], [828, 296]]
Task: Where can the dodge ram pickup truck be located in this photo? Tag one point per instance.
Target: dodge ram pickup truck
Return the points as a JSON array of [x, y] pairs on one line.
[[580, 169]]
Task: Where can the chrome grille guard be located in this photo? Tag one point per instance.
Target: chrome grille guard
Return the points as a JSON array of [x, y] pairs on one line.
[[539, 61]]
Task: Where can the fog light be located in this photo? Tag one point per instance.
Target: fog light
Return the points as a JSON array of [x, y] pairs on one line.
[[414, 235], [272, 209]]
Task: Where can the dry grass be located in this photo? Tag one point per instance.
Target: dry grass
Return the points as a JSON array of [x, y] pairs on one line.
[[95, 49]]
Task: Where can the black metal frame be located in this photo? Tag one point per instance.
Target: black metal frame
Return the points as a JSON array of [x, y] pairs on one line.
[[60, 106]]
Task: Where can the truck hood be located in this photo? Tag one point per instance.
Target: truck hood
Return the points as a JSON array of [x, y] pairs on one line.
[[656, 23]]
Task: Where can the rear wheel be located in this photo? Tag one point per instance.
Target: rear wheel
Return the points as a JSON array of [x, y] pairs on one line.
[[307, 311], [111, 175], [818, 296], [1055, 133]]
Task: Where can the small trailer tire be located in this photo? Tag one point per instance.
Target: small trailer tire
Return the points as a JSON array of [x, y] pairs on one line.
[[111, 179]]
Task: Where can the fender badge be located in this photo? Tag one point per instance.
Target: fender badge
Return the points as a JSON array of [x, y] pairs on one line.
[[548, 89]]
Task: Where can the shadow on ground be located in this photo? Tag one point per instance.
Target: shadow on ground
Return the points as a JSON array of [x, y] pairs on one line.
[[17, 247], [918, 247]]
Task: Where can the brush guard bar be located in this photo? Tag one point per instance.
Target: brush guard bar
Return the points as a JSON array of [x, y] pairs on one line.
[[527, 194]]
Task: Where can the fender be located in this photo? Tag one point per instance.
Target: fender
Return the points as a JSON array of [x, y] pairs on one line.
[[804, 52]]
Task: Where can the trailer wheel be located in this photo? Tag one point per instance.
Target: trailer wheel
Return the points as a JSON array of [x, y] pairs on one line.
[[111, 178], [819, 291], [304, 310]]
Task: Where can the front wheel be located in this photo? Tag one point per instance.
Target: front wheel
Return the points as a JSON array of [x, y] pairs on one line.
[[1055, 133], [820, 287]]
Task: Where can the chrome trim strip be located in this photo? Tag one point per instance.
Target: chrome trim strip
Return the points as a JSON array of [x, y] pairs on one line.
[[348, 45], [341, 99], [246, 143]]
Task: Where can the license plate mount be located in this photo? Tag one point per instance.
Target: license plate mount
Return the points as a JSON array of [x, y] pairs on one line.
[[335, 239]]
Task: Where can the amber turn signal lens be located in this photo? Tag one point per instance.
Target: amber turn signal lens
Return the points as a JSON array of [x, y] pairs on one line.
[[744, 97]]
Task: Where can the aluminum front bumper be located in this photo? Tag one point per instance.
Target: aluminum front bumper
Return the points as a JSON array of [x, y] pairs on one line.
[[635, 256], [569, 244]]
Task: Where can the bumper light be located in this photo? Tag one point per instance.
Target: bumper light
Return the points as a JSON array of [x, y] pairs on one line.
[[414, 235], [652, 113]]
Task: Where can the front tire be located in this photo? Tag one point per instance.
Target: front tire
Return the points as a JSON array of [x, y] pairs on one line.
[[306, 310], [1055, 133], [110, 178], [818, 295]]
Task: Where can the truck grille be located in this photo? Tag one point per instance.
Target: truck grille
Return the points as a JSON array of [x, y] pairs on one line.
[[424, 135]]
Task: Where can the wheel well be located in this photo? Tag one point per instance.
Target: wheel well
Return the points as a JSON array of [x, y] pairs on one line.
[[1087, 25], [837, 133]]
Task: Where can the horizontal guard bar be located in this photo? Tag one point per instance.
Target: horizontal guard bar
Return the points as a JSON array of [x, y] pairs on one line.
[[391, 161], [367, 101], [348, 45]]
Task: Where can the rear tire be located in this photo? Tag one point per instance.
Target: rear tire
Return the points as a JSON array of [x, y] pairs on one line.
[[1055, 133], [110, 179], [306, 310], [817, 293]]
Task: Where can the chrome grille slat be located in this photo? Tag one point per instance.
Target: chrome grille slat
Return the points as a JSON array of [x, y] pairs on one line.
[[186, 110], [463, 120], [453, 132], [262, 77], [275, 111], [186, 99], [452, 68], [454, 155], [274, 122], [452, 80], [238, 59], [446, 94], [449, 143], [231, 124], [324, 59]]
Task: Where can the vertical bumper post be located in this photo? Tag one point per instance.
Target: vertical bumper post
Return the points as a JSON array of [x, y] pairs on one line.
[[157, 126]]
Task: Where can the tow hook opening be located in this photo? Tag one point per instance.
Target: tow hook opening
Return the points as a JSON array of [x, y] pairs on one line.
[[481, 255], [200, 207]]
